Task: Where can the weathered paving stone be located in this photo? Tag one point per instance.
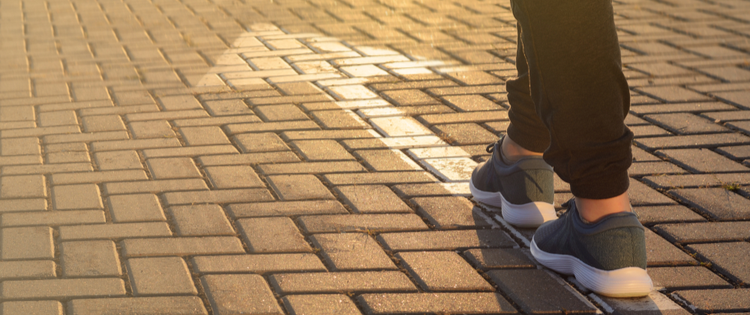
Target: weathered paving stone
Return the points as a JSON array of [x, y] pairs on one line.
[[75, 197], [704, 232], [686, 278], [654, 302], [466, 117], [53, 218], [693, 141], [469, 103], [161, 275], [38, 269], [145, 247], [499, 258], [387, 160], [463, 134], [260, 142], [32, 308], [27, 243], [449, 212], [240, 294], [90, 259], [171, 168], [371, 199], [698, 180], [177, 305], [328, 134], [427, 190], [336, 282], [728, 258], [216, 196], [280, 113], [718, 300], [701, 161], [197, 220], [320, 304], [321, 150], [650, 215], [114, 231], [223, 177], [383, 178], [62, 288], [735, 152], [718, 203], [640, 194], [686, 123], [445, 303], [352, 251], [272, 235], [361, 222], [298, 187], [659, 252], [445, 240], [285, 208], [22, 186], [249, 158], [339, 119], [257, 263], [536, 291], [428, 268], [312, 168], [135, 208]]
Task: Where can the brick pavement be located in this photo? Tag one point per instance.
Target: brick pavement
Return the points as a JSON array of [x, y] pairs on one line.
[[312, 157]]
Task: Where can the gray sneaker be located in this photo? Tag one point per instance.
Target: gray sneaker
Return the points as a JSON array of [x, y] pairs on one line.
[[608, 256], [523, 190]]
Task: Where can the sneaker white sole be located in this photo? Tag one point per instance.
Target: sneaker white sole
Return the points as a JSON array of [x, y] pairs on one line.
[[530, 214], [618, 283]]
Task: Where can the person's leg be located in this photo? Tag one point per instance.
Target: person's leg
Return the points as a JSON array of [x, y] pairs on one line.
[[580, 95]]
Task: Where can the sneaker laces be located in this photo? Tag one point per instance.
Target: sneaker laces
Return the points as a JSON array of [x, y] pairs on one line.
[[491, 147]]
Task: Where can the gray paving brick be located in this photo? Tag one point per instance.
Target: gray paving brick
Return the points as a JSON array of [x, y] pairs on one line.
[[163, 275], [69, 197], [717, 300], [728, 258], [689, 277], [135, 208], [379, 178], [153, 186], [320, 304], [371, 199], [701, 161], [321, 150], [233, 177], [90, 259], [170, 168], [244, 294], [449, 212], [445, 240], [272, 235], [686, 123], [698, 180], [361, 222], [102, 123], [693, 141], [22, 186], [260, 142], [536, 291], [216, 196], [640, 194], [258, 263], [352, 251], [184, 246], [337, 282], [62, 288], [114, 231], [499, 258], [649, 215], [285, 208], [280, 113], [177, 305], [448, 303], [428, 268], [20, 146], [718, 203], [387, 160], [197, 220], [701, 232], [298, 187], [32, 308], [53, 218], [660, 252], [27, 243]]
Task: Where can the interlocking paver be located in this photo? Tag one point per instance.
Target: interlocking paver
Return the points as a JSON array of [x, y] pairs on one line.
[[135, 208], [90, 259], [352, 251], [178, 305], [298, 187], [74, 197], [335, 282], [428, 270], [258, 263], [709, 301], [687, 277], [445, 240], [244, 294], [450, 303], [371, 199], [196, 220], [537, 291], [145, 247], [320, 304], [63, 288], [32, 308], [362, 222], [113, 231], [162, 275], [272, 235], [449, 212], [726, 257]]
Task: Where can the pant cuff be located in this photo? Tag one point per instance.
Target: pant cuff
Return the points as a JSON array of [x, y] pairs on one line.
[[528, 142], [608, 186]]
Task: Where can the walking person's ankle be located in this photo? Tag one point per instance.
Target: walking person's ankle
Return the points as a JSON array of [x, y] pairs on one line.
[[512, 151], [592, 210]]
